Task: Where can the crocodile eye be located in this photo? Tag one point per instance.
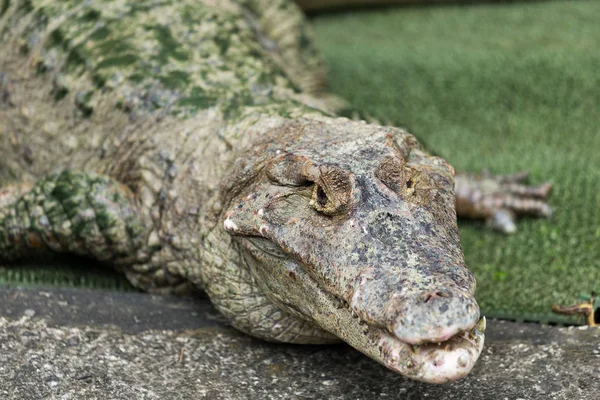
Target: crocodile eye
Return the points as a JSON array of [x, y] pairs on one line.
[[321, 196], [320, 201]]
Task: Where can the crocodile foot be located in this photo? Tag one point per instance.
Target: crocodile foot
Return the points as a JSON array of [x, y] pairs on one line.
[[499, 199]]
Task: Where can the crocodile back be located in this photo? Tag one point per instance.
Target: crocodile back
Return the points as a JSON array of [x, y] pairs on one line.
[[76, 75]]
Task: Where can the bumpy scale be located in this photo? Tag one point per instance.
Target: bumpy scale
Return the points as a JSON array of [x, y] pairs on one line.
[[191, 145]]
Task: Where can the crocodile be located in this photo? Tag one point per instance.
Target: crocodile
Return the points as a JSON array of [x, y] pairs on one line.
[[192, 145]]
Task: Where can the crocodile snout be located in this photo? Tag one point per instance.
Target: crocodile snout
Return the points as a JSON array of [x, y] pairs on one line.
[[419, 307], [432, 316]]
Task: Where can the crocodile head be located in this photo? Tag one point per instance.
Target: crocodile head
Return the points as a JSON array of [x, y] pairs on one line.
[[352, 227]]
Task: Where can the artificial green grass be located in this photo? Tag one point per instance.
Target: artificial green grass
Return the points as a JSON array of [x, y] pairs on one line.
[[63, 271], [507, 87]]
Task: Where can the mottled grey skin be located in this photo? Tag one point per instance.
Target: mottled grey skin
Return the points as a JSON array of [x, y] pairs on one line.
[[190, 145]]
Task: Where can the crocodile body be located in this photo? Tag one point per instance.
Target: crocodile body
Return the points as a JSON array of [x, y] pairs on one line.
[[191, 145]]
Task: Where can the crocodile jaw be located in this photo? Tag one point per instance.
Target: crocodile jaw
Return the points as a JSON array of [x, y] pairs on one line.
[[441, 362], [443, 355]]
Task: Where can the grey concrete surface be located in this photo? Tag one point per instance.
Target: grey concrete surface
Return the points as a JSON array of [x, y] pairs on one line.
[[79, 344]]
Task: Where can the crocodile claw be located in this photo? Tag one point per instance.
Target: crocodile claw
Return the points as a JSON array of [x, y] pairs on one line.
[[500, 199]]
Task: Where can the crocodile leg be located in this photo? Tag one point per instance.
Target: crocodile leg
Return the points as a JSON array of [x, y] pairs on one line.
[[86, 214], [289, 37], [500, 199]]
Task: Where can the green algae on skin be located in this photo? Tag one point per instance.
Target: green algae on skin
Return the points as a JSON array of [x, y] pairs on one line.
[[176, 56]]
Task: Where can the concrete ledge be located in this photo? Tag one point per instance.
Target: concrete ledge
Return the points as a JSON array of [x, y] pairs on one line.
[[80, 344]]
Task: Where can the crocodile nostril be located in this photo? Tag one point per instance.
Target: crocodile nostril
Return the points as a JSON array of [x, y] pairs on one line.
[[438, 294]]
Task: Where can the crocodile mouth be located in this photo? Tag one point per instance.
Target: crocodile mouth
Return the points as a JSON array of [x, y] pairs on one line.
[[443, 356], [434, 362]]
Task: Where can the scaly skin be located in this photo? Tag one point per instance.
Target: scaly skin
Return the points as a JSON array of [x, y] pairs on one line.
[[190, 144]]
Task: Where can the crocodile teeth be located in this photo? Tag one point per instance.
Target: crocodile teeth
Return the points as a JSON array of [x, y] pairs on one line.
[[481, 325], [479, 329]]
